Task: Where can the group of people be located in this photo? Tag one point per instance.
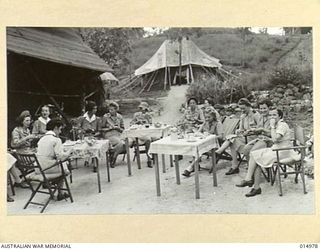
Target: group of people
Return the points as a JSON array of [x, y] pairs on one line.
[[44, 131], [257, 134]]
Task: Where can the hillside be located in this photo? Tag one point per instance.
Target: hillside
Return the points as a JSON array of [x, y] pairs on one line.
[[260, 52]]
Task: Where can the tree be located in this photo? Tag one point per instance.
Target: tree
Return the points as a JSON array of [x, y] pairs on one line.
[[244, 32], [113, 45]]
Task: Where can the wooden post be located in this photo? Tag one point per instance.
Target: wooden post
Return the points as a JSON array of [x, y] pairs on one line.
[[156, 169], [169, 76], [165, 79], [180, 58], [191, 72]]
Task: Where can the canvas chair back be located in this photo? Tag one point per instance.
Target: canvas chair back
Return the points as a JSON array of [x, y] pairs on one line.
[[300, 139], [230, 125]]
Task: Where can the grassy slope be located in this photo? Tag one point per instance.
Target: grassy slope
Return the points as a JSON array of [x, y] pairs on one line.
[[261, 52]]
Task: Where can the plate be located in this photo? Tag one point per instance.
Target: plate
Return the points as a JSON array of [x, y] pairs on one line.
[[71, 143], [191, 140]]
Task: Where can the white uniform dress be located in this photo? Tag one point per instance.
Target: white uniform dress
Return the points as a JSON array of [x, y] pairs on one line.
[[266, 157]]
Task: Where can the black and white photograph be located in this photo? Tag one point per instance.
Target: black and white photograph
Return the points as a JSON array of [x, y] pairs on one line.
[[159, 120]]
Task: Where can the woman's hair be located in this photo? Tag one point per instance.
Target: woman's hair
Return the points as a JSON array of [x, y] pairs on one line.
[[244, 101], [55, 122], [212, 113], [22, 116], [280, 113], [90, 105], [115, 105], [192, 98], [44, 106], [266, 102], [210, 101]]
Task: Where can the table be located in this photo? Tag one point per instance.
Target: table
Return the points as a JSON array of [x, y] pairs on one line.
[[97, 151], [140, 132], [184, 147]]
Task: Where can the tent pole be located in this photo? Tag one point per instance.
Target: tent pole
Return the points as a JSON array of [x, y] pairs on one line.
[[152, 81], [165, 79], [175, 78], [169, 76], [191, 72], [188, 75], [145, 86]]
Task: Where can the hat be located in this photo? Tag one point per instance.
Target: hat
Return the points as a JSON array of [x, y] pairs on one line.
[[114, 104], [244, 101], [23, 115], [238, 109], [144, 106], [218, 106], [229, 108], [233, 105]]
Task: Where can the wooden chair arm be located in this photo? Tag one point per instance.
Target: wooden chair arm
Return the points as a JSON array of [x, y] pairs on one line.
[[56, 164], [289, 148]]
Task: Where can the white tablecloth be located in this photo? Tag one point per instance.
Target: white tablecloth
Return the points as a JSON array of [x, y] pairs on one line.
[[84, 150], [183, 147], [10, 161], [142, 131]]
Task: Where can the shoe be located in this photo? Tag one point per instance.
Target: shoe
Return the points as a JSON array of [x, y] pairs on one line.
[[186, 173], [149, 164], [254, 192], [63, 196], [9, 199], [233, 171], [245, 183], [21, 185], [95, 169]]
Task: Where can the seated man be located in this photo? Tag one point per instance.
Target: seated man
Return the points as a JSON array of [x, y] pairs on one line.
[[50, 151], [140, 118], [112, 127], [213, 126], [236, 142]]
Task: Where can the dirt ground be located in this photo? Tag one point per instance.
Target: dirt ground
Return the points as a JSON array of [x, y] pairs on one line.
[[137, 194]]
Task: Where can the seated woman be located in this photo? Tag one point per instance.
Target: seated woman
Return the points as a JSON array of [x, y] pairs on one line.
[[212, 126], [50, 151], [89, 122], [209, 103], [265, 157], [111, 128], [21, 141], [236, 142], [139, 118], [193, 116], [39, 126], [263, 130]]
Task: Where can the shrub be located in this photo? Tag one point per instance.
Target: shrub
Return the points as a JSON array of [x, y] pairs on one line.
[[263, 59], [291, 76]]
